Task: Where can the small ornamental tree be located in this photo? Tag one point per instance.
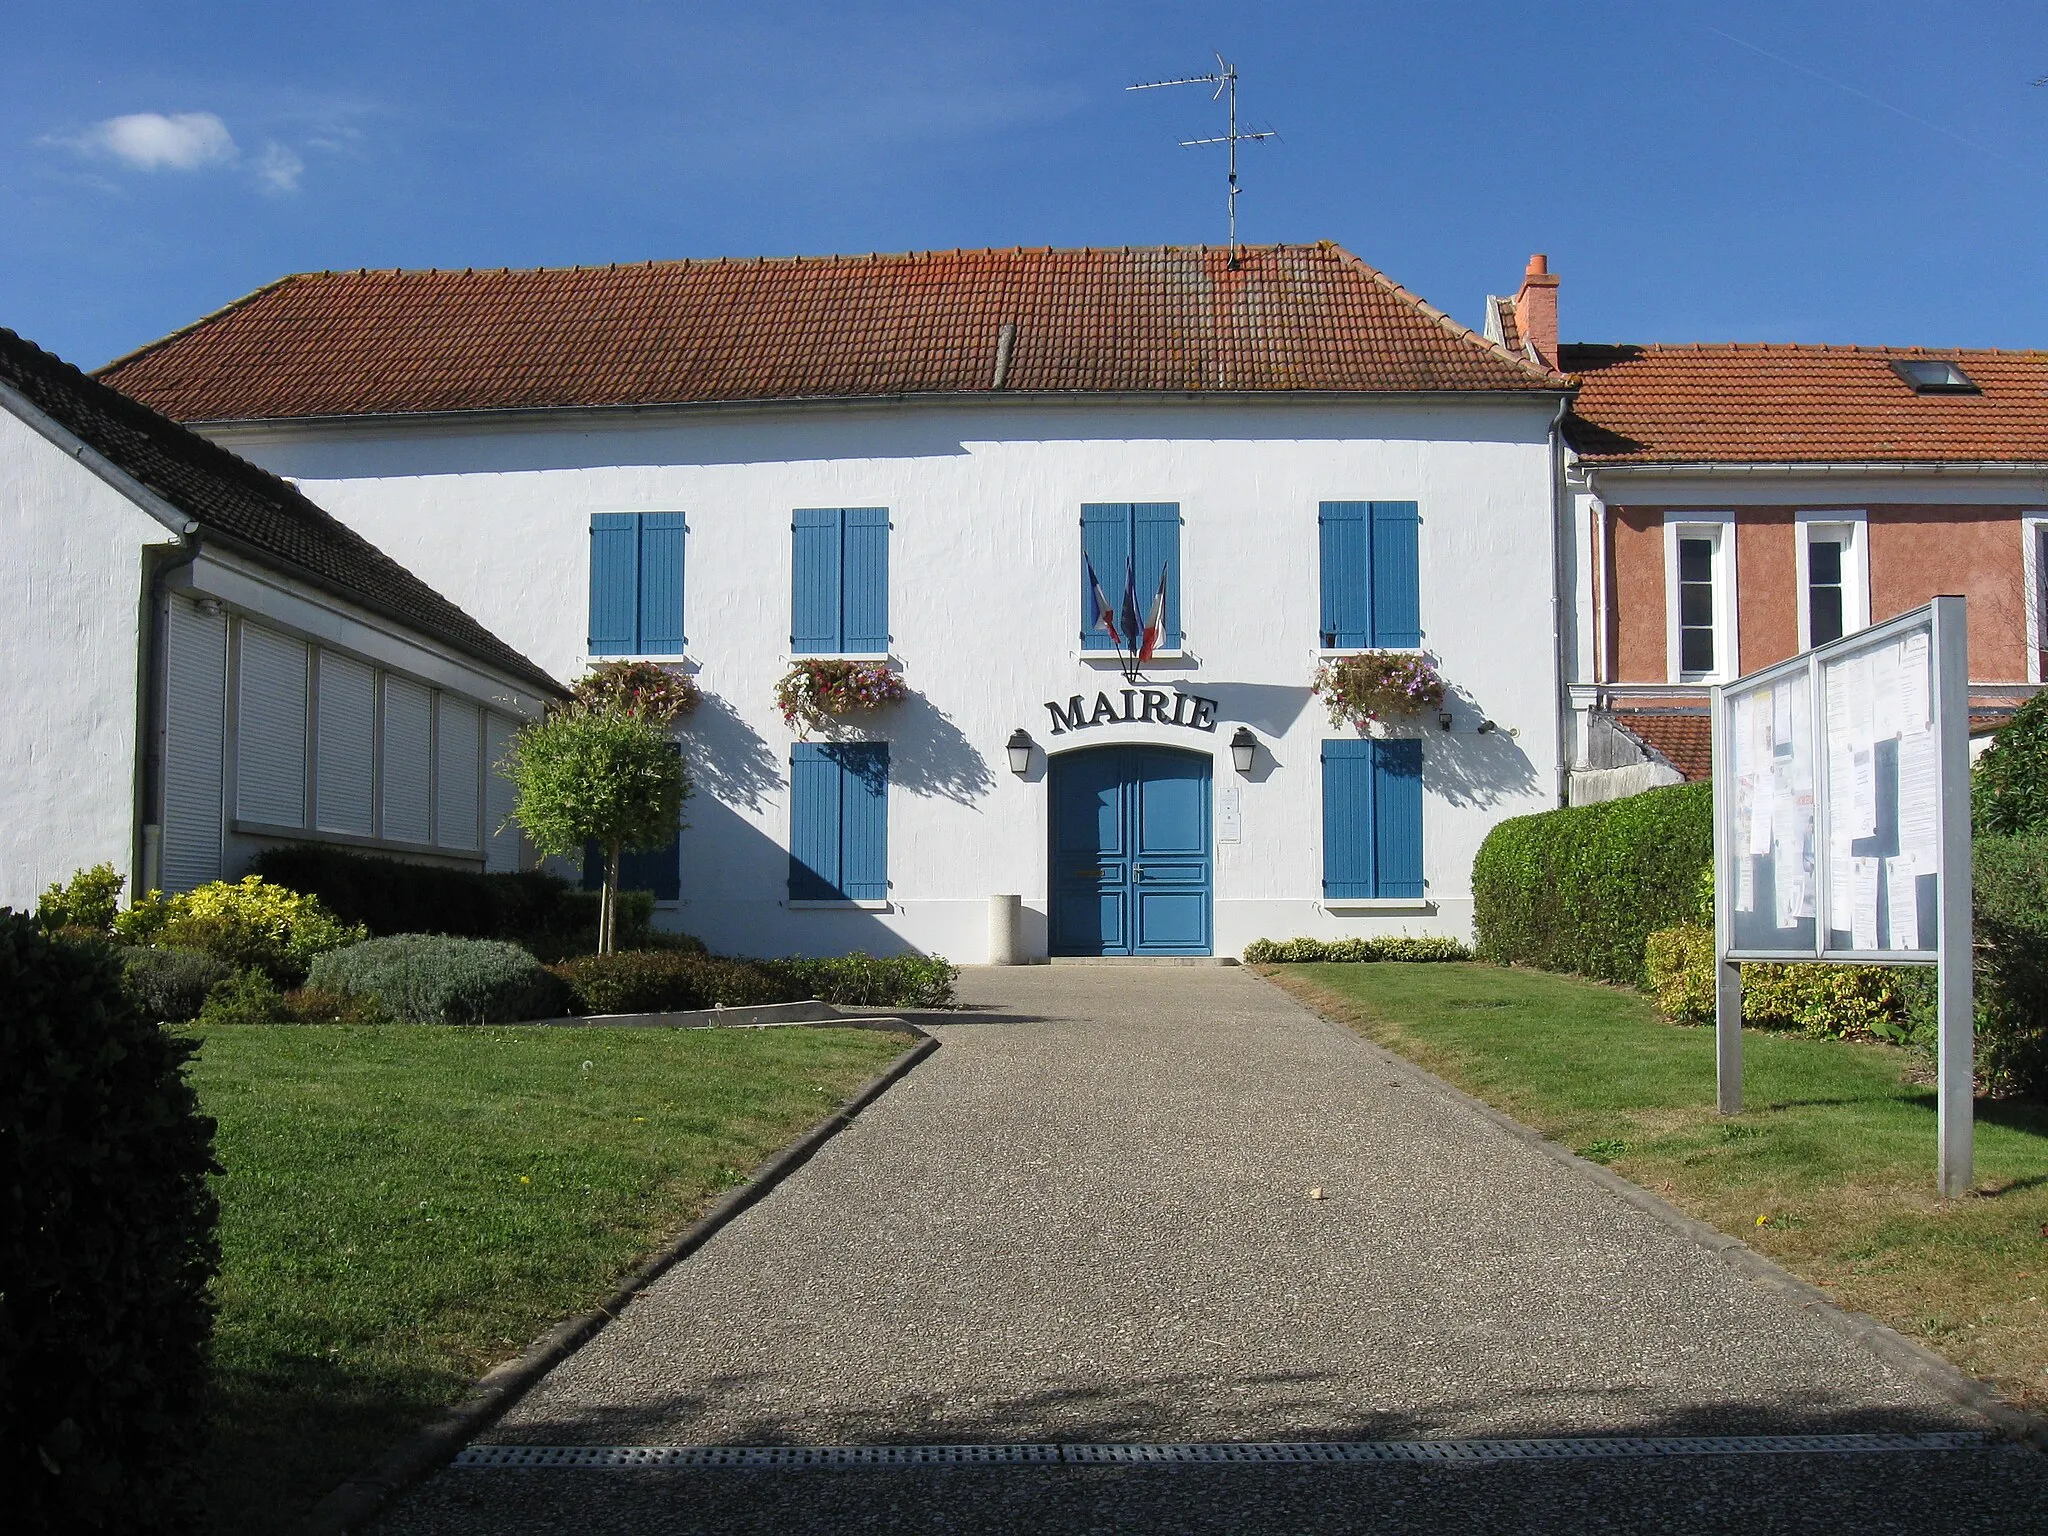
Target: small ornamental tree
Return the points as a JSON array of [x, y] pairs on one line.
[[602, 775], [1377, 685]]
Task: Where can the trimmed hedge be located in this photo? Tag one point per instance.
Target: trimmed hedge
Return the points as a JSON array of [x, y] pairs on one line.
[[1581, 889], [541, 912], [106, 1247], [170, 985], [1350, 951], [424, 978], [667, 981], [2011, 920]]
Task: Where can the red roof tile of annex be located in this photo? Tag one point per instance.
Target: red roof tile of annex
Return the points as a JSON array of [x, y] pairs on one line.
[[1177, 319], [1801, 404]]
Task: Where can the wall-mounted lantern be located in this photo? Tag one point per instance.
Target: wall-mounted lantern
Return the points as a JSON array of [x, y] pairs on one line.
[[1244, 748], [1019, 748], [1443, 719]]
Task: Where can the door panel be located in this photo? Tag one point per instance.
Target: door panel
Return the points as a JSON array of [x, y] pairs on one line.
[[1130, 852]]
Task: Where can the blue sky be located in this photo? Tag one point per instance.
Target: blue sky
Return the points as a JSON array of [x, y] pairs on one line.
[[1873, 172]]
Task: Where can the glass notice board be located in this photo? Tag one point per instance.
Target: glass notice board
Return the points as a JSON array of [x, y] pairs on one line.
[[1829, 800]]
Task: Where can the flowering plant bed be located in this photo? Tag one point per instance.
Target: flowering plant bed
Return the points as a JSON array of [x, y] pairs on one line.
[[1377, 685], [655, 693], [812, 690]]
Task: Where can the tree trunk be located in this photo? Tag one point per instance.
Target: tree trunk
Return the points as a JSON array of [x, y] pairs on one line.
[[608, 939]]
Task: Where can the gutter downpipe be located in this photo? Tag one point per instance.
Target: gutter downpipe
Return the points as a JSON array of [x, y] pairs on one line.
[[162, 561], [1560, 506]]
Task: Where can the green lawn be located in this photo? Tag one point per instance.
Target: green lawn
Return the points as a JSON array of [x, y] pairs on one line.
[[1835, 1152], [405, 1206]]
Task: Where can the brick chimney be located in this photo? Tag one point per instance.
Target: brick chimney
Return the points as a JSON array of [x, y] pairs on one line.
[[1536, 309]]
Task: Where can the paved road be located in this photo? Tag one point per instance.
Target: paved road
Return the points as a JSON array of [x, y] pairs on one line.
[[1087, 1218]]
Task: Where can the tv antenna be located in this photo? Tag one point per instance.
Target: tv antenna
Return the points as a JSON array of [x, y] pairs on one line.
[[1225, 81]]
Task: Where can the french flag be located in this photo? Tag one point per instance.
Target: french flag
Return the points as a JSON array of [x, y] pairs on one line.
[[1155, 621], [1105, 611]]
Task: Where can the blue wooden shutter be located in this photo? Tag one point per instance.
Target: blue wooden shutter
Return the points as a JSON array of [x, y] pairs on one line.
[[1347, 819], [661, 584], [864, 820], [1396, 574], [1347, 574], [1397, 817], [1155, 538], [814, 823], [815, 581], [865, 581], [1106, 545], [614, 583]]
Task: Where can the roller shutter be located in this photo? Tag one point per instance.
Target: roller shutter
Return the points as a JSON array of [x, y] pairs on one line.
[[195, 729], [457, 778], [345, 758], [501, 847], [408, 761], [270, 729]]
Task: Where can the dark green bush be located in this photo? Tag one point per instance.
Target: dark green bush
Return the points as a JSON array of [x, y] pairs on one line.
[[436, 979], [668, 981], [1352, 951], [2009, 785], [2011, 921], [1580, 889], [542, 912], [106, 1247], [171, 985]]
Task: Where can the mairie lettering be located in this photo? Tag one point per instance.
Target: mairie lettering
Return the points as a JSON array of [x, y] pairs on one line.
[[1141, 706]]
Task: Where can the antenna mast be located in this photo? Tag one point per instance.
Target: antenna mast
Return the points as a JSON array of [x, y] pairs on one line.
[[1225, 81]]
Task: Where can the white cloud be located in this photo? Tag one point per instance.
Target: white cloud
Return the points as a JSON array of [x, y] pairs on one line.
[[153, 141], [278, 169]]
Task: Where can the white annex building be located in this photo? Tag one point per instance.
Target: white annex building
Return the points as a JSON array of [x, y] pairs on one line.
[[201, 663], [730, 465]]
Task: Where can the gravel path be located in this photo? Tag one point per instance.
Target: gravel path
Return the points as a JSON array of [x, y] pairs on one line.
[[1088, 1217]]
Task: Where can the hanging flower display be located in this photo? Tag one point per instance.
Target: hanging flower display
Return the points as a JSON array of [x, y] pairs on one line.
[[812, 690], [1377, 685], [645, 689]]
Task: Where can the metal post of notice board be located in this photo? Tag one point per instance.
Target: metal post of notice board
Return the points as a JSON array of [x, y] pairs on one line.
[[1842, 833]]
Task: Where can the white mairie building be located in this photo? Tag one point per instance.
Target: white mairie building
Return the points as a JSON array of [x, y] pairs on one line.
[[730, 466]]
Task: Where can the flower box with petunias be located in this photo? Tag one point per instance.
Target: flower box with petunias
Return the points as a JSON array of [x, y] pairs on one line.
[[812, 691], [1377, 686]]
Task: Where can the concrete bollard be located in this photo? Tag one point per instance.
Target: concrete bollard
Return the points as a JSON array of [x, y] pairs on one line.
[[1005, 930]]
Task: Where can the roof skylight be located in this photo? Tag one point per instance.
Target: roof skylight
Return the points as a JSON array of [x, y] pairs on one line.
[[1934, 376]]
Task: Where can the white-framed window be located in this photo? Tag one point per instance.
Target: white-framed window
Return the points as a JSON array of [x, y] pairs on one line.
[[1834, 575], [2034, 574], [1699, 598]]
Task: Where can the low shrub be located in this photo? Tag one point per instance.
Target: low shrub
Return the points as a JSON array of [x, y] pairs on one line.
[[435, 979], [171, 985], [1581, 889], [542, 912], [1349, 951], [667, 981], [106, 1247], [88, 902], [252, 924], [871, 981], [247, 997], [1827, 1001]]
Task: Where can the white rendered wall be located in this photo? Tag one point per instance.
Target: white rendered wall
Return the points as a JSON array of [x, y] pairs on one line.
[[71, 587], [985, 615]]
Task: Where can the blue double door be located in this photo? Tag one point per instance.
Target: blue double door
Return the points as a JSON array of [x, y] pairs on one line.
[[1130, 854]]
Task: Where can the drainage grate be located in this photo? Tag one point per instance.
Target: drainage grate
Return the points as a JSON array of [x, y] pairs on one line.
[[1313, 1452]]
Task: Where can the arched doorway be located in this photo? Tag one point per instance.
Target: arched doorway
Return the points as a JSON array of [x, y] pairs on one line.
[[1130, 860]]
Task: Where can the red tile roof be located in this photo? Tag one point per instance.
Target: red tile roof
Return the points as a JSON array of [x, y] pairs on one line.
[[1685, 741], [1783, 404], [1166, 320]]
